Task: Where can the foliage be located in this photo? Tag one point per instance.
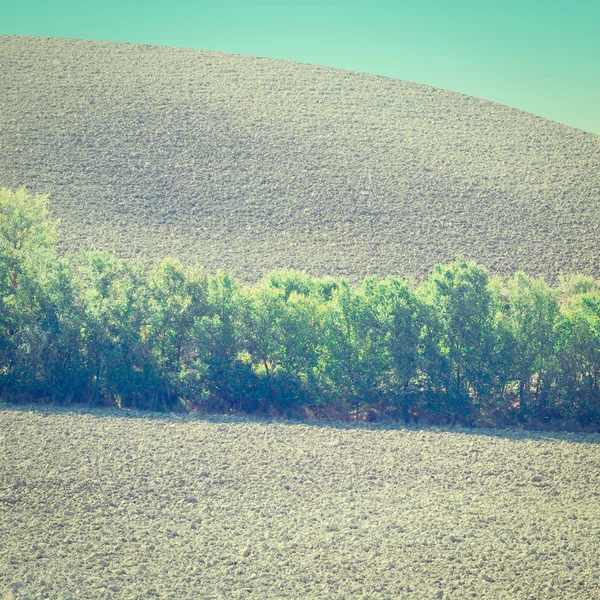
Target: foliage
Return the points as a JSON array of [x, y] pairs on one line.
[[460, 347], [461, 299]]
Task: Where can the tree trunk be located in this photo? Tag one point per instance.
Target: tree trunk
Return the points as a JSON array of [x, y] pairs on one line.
[[522, 403]]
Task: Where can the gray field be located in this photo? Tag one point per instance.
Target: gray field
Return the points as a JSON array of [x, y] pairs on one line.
[[248, 164], [96, 504]]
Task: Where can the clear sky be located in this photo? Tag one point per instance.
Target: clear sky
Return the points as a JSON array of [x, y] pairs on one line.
[[542, 56]]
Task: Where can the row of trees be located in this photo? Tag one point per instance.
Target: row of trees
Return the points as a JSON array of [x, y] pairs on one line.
[[460, 347]]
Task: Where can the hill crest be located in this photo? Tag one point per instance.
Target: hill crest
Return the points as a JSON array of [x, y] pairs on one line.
[[249, 164]]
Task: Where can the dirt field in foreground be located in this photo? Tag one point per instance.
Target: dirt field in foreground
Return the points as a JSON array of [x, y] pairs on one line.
[[100, 504]]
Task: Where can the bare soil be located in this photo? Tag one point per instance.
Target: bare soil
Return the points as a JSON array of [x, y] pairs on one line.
[[110, 504]]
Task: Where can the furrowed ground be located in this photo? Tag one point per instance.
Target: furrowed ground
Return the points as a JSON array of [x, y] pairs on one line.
[[250, 164], [109, 504]]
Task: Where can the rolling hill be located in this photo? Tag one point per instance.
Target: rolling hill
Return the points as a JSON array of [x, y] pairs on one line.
[[250, 164]]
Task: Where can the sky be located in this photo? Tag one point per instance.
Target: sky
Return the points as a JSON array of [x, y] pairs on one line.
[[541, 56]]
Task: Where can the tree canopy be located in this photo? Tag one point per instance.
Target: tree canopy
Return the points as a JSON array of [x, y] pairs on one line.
[[460, 347]]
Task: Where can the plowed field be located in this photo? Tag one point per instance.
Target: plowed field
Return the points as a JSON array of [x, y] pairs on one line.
[[102, 504]]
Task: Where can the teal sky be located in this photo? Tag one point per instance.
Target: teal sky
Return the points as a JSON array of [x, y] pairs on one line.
[[542, 56]]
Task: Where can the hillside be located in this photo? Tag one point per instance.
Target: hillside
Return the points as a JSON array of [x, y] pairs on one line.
[[250, 164], [107, 504]]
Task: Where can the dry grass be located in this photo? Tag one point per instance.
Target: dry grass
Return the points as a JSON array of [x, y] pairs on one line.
[[250, 164], [97, 505]]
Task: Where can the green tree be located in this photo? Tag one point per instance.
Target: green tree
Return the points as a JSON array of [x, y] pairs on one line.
[[119, 366], [39, 329], [399, 315], [462, 329], [281, 321], [176, 331], [230, 379], [355, 345], [533, 314], [578, 357], [27, 237]]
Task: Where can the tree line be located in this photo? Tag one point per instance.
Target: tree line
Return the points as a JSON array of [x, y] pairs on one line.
[[460, 347]]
